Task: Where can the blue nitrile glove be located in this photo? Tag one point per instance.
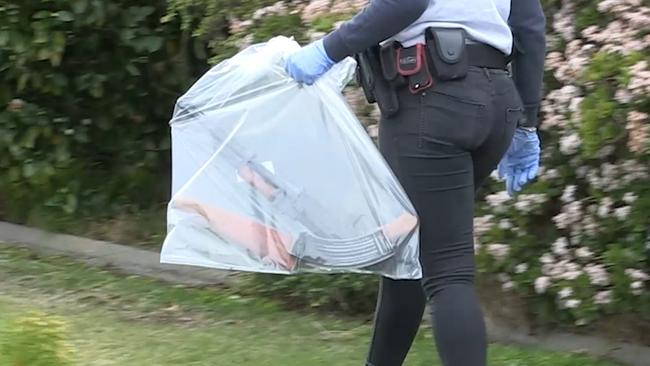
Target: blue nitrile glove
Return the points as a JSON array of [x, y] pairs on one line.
[[309, 63], [520, 164]]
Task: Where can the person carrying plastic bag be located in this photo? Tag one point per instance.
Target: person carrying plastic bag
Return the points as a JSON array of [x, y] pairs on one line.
[[458, 84]]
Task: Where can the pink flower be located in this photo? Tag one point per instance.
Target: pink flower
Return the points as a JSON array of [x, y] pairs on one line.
[[566, 270], [640, 82], [569, 193], [347, 6], [637, 287], [483, 224], [571, 275], [553, 60], [373, 131], [564, 22], [505, 224], [560, 246], [561, 220], [571, 214], [603, 297], [508, 286], [572, 303], [238, 26], [315, 9], [547, 258], [617, 6], [590, 226], [636, 274], [622, 213], [576, 234], [597, 274], [570, 144], [590, 32], [527, 202], [638, 128], [634, 171], [521, 268], [552, 270], [553, 120], [630, 198], [574, 106], [565, 292], [549, 174], [541, 284], [498, 200], [498, 251], [16, 105], [279, 8], [623, 96], [605, 207], [584, 252]]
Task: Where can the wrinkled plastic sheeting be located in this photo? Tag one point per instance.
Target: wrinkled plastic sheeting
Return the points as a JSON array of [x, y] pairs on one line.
[[275, 177]]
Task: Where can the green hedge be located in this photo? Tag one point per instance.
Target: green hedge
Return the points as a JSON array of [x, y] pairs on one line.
[[86, 90]]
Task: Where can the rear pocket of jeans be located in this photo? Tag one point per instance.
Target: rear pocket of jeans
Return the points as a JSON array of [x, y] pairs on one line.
[[451, 120], [514, 115]]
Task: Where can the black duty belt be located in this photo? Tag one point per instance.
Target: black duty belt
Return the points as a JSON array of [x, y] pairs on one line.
[[446, 55], [483, 55]]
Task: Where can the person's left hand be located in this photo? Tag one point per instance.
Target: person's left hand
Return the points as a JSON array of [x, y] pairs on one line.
[[309, 63], [520, 164]]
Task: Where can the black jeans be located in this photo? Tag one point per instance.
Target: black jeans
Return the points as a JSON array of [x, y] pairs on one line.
[[441, 145]]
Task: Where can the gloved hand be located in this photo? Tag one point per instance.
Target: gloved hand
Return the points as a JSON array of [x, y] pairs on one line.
[[309, 63], [520, 164]]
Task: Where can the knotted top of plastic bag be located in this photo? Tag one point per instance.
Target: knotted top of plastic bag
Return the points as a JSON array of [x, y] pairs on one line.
[[257, 69]]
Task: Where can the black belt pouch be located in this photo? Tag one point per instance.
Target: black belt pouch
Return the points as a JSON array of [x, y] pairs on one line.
[[365, 76], [376, 88], [448, 53]]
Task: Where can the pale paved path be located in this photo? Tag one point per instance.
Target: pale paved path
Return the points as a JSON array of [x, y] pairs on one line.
[[121, 257]]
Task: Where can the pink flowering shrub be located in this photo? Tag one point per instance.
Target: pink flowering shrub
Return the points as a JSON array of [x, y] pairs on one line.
[[226, 27], [582, 231]]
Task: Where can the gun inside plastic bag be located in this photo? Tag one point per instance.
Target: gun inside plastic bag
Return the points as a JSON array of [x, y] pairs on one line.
[[313, 245]]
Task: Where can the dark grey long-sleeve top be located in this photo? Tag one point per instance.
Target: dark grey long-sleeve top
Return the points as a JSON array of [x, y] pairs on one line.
[[384, 19]]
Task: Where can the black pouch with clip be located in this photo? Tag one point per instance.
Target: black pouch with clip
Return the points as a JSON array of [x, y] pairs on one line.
[[448, 52], [388, 61], [375, 87], [364, 76]]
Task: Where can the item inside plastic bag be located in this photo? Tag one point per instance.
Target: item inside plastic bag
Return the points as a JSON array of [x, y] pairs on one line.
[[272, 176]]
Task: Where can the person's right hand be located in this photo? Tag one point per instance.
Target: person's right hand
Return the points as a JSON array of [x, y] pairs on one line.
[[520, 164], [309, 63]]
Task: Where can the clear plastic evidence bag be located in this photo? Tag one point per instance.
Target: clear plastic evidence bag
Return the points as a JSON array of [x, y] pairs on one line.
[[276, 177]]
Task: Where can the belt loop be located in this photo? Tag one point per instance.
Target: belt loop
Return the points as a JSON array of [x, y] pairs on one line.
[[487, 73]]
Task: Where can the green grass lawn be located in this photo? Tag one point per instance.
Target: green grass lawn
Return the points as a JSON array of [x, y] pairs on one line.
[[133, 321]]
